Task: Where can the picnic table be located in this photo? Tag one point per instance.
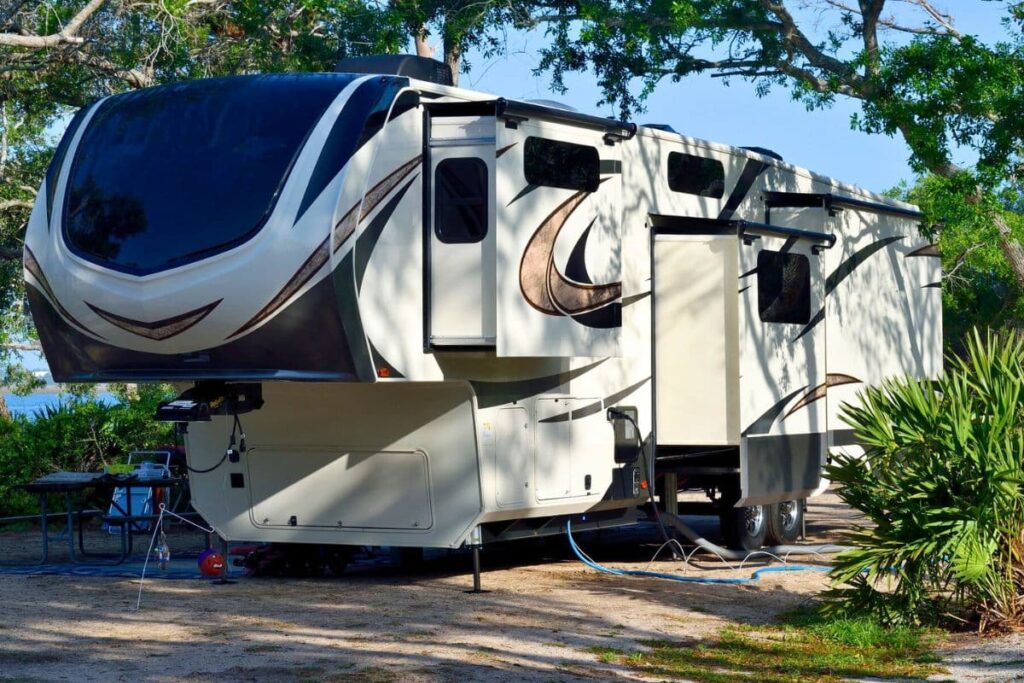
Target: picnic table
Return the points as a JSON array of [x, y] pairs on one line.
[[73, 483]]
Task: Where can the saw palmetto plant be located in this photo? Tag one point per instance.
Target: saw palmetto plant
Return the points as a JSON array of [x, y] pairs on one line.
[[942, 485]]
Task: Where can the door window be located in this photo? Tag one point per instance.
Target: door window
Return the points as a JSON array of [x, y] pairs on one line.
[[783, 287], [460, 200]]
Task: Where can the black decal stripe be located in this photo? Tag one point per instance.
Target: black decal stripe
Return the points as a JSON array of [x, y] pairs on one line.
[[362, 110], [934, 285], [746, 180], [351, 320], [843, 271], [33, 267], [605, 318], [490, 394], [53, 170], [764, 423], [576, 267], [597, 406], [504, 149], [743, 289], [368, 238], [522, 193], [788, 245], [748, 273], [930, 250], [610, 166], [633, 298]]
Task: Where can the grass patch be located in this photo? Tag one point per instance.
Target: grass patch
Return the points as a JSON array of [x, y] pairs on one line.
[[806, 647]]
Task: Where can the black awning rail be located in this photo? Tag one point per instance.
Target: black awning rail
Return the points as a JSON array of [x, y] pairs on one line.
[[748, 231], [830, 202], [513, 111]]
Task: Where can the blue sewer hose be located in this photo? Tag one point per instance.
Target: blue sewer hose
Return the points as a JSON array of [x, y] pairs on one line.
[[756, 576]]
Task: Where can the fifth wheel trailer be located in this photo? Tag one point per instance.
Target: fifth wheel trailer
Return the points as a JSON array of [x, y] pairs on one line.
[[441, 316]]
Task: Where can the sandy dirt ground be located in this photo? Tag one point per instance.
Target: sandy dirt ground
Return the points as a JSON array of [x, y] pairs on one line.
[[384, 622]]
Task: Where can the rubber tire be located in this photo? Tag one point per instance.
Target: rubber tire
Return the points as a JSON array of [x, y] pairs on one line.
[[737, 534], [781, 533]]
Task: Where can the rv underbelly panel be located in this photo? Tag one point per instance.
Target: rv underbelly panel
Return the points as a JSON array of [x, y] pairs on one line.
[[368, 490]]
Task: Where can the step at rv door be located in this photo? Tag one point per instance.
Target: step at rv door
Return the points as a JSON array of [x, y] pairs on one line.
[[783, 380], [461, 252]]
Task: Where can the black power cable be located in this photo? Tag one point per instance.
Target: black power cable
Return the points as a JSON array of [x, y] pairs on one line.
[[229, 453], [648, 466]]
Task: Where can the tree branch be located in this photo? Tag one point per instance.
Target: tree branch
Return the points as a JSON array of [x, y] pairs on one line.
[[66, 36], [14, 204]]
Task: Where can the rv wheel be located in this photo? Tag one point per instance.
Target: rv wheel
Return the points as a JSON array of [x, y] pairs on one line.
[[785, 522], [744, 528]]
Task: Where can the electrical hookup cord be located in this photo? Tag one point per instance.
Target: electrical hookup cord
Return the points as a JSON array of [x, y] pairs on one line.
[[756, 576]]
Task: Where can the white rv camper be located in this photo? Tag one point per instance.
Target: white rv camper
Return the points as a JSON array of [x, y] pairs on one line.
[[406, 314]]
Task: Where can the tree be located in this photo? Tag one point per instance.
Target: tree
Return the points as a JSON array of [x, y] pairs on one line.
[[913, 72]]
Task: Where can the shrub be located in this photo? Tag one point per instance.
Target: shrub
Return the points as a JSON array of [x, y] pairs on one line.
[[79, 433], [942, 483]]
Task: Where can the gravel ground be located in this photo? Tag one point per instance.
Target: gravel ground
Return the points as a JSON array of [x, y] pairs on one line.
[[384, 622]]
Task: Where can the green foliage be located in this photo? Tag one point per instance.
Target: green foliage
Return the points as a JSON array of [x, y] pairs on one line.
[[79, 433], [942, 484], [979, 287], [809, 646]]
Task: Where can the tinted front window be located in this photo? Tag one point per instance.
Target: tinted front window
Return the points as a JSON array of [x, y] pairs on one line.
[[561, 164], [460, 200], [783, 287], [167, 175], [696, 175]]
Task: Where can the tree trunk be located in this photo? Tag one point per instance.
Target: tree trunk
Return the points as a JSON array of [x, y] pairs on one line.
[[5, 412], [423, 48], [453, 58], [1012, 249]]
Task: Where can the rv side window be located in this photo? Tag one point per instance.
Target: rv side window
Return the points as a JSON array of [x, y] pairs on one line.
[[783, 287], [554, 163], [696, 175], [460, 200]]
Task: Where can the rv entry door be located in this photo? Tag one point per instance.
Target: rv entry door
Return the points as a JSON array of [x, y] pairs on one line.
[[461, 254]]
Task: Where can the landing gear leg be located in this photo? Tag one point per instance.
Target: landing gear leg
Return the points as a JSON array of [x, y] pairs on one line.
[[475, 542]]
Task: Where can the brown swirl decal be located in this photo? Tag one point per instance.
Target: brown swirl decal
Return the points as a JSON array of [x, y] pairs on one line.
[[306, 271], [819, 392], [157, 330], [33, 267], [347, 225], [540, 281]]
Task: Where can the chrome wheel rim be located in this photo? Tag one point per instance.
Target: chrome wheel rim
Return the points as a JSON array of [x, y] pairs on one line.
[[789, 514], [754, 519]]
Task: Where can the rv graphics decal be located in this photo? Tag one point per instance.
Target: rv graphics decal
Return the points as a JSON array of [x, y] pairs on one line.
[[543, 286], [832, 379], [158, 330], [36, 271], [843, 271]]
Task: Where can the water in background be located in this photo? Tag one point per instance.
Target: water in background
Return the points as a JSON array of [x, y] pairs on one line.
[[33, 403]]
